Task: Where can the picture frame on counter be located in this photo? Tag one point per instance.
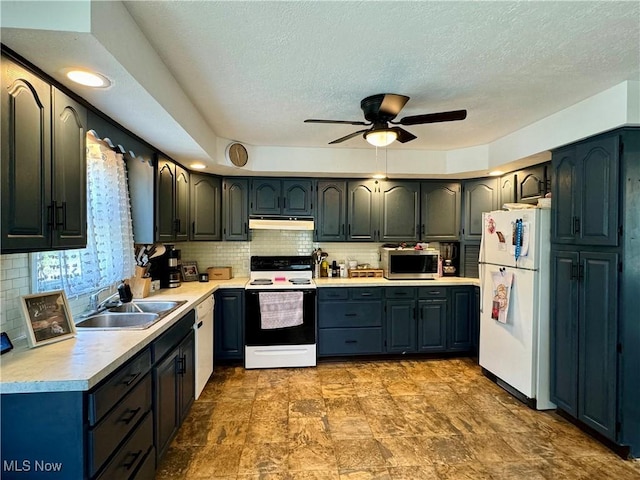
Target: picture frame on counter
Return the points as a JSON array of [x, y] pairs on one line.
[[47, 318], [189, 271]]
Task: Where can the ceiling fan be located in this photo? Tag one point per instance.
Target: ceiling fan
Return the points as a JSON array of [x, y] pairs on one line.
[[380, 110]]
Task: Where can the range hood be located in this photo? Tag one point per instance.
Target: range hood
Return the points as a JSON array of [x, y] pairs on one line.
[[267, 222]]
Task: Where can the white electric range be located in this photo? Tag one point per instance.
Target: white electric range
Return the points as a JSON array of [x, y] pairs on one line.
[[280, 313]]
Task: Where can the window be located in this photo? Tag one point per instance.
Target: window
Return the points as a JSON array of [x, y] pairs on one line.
[[108, 257]]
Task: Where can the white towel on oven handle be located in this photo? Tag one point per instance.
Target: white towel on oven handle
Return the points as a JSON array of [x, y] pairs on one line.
[[280, 309]]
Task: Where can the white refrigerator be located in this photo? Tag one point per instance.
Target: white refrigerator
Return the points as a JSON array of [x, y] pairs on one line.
[[514, 311]]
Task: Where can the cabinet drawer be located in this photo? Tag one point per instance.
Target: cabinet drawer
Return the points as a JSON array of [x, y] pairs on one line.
[[372, 293], [350, 341], [432, 292], [400, 292], [147, 471], [350, 314], [174, 336], [333, 294], [106, 436], [132, 453], [110, 392]]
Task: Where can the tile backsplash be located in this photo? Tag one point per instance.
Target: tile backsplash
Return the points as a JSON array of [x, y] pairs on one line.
[[15, 281], [273, 242]]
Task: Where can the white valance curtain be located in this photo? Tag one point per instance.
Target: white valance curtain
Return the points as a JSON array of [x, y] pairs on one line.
[[108, 257]]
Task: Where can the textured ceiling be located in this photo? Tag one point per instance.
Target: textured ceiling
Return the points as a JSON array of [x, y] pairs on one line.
[[185, 72], [256, 70]]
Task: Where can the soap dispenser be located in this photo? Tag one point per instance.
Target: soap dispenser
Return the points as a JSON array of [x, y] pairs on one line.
[[124, 291]]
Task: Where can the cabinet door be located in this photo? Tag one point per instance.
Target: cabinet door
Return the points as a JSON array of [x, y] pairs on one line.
[[69, 170], [598, 338], [459, 328], [563, 333], [229, 325], [265, 197], [401, 325], [235, 207], [479, 196], [187, 379], [440, 211], [432, 322], [399, 211], [166, 401], [331, 212], [598, 170], [26, 160], [165, 195], [531, 184], [507, 189], [297, 197], [362, 211], [181, 222], [564, 193], [206, 207]]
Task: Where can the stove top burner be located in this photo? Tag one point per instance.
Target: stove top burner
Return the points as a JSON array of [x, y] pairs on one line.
[[300, 281], [262, 281]]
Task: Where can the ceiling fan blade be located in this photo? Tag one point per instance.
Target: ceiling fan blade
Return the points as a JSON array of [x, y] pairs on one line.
[[433, 117], [351, 135], [343, 122], [393, 103], [403, 135]]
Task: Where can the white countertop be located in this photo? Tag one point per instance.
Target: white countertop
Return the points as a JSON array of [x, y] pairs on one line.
[[80, 363]]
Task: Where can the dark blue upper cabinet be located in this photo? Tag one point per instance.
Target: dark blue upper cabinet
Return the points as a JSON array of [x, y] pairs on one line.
[[362, 210], [235, 205], [531, 184], [440, 211], [331, 212], [265, 196], [297, 197], [281, 197], [479, 196], [585, 192], [400, 211], [565, 195]]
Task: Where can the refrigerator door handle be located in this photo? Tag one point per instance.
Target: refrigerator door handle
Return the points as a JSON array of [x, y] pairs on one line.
[[481, 271]]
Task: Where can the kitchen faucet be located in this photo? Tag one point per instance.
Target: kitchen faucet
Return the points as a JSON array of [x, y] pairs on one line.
[[94, 306]]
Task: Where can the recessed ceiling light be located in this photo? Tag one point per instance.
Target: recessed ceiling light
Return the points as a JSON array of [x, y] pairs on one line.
[[495, 173], [379, 176], [87, 78], [198, 166]]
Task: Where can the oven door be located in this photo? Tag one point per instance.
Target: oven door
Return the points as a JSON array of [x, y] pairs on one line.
[[304, 334]]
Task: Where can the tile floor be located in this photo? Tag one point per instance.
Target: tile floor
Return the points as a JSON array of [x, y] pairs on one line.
[[384, 420]]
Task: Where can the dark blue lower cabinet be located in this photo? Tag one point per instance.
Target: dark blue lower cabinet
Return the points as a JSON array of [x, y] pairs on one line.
[[229, 325], [432, 325], [584, 336], [396, 320], [350, 322], [461, 314], [400, 317]]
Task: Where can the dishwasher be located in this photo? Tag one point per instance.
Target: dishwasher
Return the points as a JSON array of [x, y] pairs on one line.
[[204, 343]]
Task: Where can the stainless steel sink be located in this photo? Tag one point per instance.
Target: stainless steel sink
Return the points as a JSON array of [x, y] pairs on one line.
[[136, 315], [119, 320], [146, 307]]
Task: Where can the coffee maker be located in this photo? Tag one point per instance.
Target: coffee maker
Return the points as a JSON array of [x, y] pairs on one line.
[[450, 263], [169, 268]]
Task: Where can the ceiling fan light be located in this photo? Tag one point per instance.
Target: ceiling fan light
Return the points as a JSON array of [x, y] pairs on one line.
[[380, 138]]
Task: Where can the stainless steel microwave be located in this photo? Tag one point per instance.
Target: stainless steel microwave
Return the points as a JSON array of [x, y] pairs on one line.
[[408, 263]]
